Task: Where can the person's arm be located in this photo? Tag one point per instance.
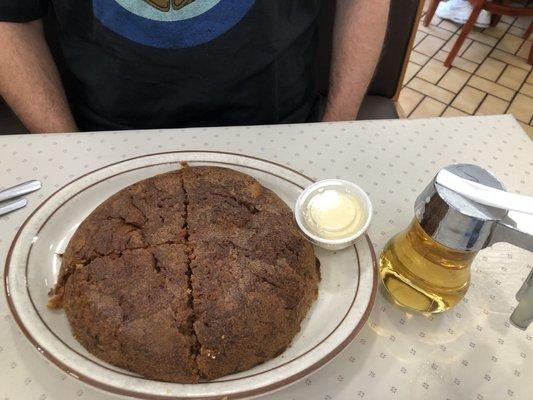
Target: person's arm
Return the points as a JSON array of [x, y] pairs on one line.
[[360, 27], [29, 79]]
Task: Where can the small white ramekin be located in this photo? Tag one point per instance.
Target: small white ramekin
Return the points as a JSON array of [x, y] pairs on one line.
[[333, 244]]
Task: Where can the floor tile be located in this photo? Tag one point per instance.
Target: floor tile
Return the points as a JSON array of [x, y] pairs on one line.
[[432, 71], [468, 99], [497, 31], [436, 20], [508, 19], [491, 69], [477, 52], [527, 89], [515, 30], [491, 87], [453, 112], [522, 108], [523, 22], [510, 43], [449, 45], [409, 99], [528, 129], [490, 76], [431, 90], [428, 108], [418, 58], [411, 71], [458, 62], [419, 37], [435, 31], [492, 106], [429, 45], [524, 50], [513, 77], [449, 25], [479, 36], [454, 79], [510, 59]]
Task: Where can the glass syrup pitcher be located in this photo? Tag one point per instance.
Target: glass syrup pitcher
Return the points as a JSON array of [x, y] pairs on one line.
[[462, 211]]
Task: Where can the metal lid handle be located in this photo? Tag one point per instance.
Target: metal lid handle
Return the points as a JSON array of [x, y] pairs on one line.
[[485, 195]]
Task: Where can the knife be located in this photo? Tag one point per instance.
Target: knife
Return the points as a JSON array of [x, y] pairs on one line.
[[19, 190], [12, 206]]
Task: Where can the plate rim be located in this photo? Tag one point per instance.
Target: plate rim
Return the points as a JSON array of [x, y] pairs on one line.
[[125, 392]]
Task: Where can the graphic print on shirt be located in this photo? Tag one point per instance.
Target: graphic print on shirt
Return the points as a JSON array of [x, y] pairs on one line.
[[171, 24], [164, 5]]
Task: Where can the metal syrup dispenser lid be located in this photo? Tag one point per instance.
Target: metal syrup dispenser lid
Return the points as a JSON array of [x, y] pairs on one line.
[[466, 208], [453, 220]]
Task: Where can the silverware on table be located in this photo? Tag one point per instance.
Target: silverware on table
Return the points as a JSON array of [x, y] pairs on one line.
[[14, 192], [12, 206], [19, 190]]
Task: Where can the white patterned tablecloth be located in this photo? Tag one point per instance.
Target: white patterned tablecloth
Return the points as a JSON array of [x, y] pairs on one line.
[[470, 352]]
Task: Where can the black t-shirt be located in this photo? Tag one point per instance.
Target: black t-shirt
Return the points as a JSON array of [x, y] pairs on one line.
[[171, 63]]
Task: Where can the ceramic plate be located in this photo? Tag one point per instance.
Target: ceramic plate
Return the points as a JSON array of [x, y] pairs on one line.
[[346, 293]]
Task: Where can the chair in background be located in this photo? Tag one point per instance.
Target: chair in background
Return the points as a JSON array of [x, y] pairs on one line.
[[381, 100], [497, 9]]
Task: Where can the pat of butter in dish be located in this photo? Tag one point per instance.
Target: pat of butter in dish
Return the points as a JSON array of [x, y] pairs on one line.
[[333, 213]]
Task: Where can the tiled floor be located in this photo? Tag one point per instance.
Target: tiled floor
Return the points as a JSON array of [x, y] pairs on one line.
[[490, 75]]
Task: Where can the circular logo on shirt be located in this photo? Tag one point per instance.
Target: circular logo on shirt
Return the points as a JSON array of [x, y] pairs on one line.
[[171, 23]]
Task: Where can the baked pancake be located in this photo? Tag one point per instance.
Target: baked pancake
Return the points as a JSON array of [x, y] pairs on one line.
[[193, 274]]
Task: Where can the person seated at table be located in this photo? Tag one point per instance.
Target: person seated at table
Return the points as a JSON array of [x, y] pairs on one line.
[[178, 63]]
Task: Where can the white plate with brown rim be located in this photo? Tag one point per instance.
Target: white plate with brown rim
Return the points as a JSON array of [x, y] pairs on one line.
[[346, 292]]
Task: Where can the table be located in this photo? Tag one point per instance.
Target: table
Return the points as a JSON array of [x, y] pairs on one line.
[[470, 352]]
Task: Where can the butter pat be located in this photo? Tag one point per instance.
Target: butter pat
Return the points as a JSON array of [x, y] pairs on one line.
[[333, 213]]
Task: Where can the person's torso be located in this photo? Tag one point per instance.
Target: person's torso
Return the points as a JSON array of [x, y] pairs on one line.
[[170, 63]]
